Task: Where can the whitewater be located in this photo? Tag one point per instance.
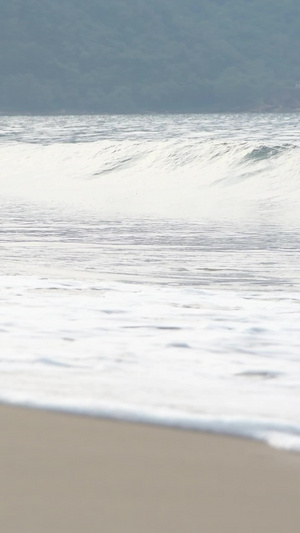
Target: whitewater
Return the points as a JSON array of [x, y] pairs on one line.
[[150, 269]]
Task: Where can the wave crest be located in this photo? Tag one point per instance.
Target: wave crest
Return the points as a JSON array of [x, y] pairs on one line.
[[266, 152], [167, 178]]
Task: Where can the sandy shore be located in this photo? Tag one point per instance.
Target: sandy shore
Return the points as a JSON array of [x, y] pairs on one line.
[[71, 474]]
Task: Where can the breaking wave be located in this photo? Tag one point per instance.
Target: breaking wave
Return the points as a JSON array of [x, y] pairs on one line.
[[175, 177], [182, 311]]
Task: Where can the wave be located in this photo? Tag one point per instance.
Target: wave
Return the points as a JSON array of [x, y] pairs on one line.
[[279, 434], [190, 178]]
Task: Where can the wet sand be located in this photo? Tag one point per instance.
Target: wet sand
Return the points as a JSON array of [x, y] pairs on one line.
[[70, 474]]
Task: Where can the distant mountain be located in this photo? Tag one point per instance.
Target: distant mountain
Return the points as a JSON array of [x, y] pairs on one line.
[[126, 56]]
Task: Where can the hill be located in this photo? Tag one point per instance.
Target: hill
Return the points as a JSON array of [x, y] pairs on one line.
[[126, 56]]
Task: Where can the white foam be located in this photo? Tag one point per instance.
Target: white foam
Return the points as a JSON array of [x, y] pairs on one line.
[[182, 178], [150, 270]]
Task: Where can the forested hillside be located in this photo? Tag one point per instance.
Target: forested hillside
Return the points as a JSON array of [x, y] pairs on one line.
[[126, 56]]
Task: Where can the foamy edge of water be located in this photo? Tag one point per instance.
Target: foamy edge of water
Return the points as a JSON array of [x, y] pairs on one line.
[[282, 434]]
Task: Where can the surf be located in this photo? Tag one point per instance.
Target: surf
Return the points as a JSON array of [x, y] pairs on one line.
[[150, 269], [183, 178]]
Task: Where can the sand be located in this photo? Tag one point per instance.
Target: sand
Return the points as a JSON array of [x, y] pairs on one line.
[[70, 474]]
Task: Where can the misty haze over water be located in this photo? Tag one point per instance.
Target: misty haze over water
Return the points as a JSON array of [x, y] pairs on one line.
[[63, 56]]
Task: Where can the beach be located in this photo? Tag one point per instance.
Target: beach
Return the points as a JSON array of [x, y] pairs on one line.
[[68, 473]]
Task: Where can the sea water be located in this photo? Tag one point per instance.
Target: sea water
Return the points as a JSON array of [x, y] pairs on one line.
[[150, 269]]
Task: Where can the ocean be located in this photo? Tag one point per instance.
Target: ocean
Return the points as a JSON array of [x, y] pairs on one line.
[[150, 269]]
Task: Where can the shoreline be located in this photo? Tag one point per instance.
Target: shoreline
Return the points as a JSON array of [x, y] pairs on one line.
[[258, 430], [70, 473]]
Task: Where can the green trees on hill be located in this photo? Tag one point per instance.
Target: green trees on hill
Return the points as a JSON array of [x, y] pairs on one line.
[[124, 56]]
